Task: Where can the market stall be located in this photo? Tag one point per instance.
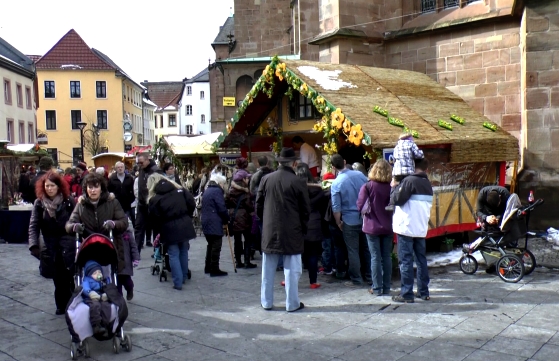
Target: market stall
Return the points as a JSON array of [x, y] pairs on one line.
[[369, 108], [192, 153], [108, 160], [14, 213]]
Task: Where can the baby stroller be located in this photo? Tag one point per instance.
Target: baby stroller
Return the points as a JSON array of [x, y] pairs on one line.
[[162, 257], [100, 249], [499, 247]]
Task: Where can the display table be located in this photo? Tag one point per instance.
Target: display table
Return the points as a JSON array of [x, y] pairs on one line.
[[14, 225]]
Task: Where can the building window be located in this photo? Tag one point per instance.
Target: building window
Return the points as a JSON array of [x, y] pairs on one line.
[[302, 108], [51, 119], [172, 120], [161, 121], [30, 134], [451, 3], [428, 5], [10, 131], [101, 89], [189, 129], [19, 95], [77, 155], [189, 90], [49, 89], [7, 91], [471, 1], [28, 97], [53, 152], [202, 119], [189, 110], [156, 125], [75, 90], [21, 132], [102, 119], [76, 116], [201, 95]]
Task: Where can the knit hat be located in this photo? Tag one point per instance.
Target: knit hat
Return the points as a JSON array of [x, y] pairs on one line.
[[328, 175], [82, 166], [90, 267], [240, 175]]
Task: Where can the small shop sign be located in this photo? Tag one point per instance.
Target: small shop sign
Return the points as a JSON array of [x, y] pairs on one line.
[[229, 159], [228, 101]]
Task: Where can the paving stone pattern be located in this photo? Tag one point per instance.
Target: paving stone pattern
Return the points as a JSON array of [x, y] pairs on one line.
[[469, 318]]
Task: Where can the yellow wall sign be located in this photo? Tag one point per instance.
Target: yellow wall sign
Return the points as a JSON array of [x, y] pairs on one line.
[[228, 101]]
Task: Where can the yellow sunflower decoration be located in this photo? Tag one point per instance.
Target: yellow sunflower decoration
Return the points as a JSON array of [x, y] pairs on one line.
[[355, 135], [337, 118], [229, 128], [304, 89], [347, 126], [319, 100], [280, 69], [265, 71]]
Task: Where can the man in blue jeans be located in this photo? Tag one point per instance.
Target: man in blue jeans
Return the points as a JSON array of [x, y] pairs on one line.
[[413, 198], [345, 190]]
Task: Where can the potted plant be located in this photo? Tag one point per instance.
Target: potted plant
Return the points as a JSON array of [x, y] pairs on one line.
[[447, 245]]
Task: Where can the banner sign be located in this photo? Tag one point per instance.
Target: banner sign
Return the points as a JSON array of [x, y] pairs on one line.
[[229, 159], [388, 155], [228, 101]]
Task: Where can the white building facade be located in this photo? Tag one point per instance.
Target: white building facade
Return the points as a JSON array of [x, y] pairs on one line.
[[18, 109], [148, 117], [195, 112]]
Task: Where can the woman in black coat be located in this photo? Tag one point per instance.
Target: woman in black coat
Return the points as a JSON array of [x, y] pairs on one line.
[[171, 208], [314, 236], [51, 211], [240, 209]]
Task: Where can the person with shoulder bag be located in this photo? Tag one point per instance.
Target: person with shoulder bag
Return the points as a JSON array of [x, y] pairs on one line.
[[377, 225], [51, 211]]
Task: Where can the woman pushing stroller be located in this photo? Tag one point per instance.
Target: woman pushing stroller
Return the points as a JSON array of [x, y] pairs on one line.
[[98, 211]]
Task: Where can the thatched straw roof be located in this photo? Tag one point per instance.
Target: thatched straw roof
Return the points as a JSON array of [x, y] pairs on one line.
[[418, 101], [412, 97]]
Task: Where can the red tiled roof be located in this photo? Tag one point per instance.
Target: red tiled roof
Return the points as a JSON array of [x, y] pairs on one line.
[[165, 93], [72, 52], [34, 58]]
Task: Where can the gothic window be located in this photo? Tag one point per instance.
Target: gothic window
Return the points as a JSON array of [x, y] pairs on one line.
[[428, 5]]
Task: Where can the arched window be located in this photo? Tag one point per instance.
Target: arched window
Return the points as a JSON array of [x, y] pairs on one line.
[[243, 86]]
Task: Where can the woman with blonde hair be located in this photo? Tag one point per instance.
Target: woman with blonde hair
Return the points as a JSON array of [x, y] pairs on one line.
[[377, 225], [171, 208]]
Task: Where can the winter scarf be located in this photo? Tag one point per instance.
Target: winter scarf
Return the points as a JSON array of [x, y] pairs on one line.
[[51, 205]]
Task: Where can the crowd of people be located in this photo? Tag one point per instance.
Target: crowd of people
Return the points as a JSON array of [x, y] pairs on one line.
[[339, 224]]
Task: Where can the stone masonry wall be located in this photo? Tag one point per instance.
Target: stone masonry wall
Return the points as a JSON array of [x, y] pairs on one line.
[[479, 63]]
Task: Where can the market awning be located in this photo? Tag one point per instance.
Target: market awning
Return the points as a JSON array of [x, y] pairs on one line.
[[21, 147], [192, 145], [112, 154], [412, 97]]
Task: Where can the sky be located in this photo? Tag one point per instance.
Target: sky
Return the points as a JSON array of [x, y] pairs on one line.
[[160, 40]]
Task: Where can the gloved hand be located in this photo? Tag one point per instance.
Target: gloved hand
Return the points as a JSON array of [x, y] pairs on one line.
[[108, 225], [79, 228], [35, 252], [135, 263], [94, 295], [104, 297]]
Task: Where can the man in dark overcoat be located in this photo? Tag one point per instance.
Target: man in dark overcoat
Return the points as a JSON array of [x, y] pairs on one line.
[[283, 205]]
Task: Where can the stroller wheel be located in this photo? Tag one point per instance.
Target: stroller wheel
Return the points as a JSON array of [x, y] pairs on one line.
[[163, 275], [74, 351], [529, 261], [152, 270], [189, 274], [510, 268], [127, 344], [116, 345], [157, 269], [85, 348], [468, 264]]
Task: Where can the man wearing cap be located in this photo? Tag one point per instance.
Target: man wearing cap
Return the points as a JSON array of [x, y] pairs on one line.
[[283, 205]]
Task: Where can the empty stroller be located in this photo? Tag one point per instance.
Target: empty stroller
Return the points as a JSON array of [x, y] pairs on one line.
[[500, 247], [100, 249]]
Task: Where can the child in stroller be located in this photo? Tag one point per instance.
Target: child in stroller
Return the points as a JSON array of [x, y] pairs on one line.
[[96, 254], [94, 297]]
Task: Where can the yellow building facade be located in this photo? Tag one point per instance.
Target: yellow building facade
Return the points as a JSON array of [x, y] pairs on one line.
[[78, 84]]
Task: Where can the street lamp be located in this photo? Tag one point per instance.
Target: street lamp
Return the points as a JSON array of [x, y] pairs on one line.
[[81, 125], [95, 131]]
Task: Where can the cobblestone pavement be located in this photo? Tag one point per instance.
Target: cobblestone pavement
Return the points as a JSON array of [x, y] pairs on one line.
[[476, 317]]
